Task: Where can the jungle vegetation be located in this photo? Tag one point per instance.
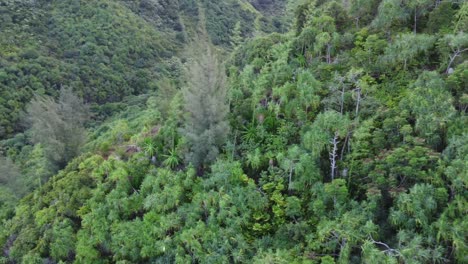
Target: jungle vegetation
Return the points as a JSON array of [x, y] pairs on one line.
[[234, 131]]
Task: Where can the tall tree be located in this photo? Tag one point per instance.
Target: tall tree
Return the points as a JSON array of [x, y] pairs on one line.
[[391, 13], [362, 10], [58, 126], [431, 105], [407, 47], [453, 46], [328, 130], [206, 127], [419, 8]]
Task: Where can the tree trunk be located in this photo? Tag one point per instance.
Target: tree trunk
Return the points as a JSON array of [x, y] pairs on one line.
[[290, 177], [329, 53], [344, 145], [415, 19], [333, 156], [342, 99], [453, 57], [234, 147], [358, 101]]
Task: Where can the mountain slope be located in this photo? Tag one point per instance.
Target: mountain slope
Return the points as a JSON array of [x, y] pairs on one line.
[[104, 50], [347, 144], [97, 47]]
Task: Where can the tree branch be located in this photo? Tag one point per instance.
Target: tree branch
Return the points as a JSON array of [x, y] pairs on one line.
[[390, 251]]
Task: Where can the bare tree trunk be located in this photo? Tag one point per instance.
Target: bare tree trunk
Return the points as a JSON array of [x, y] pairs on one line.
[[290, 177], [342, 99], [333, 156], [358, 101], [344, 145], [453, 57], [234, 147], [329, 53], [415, 19]]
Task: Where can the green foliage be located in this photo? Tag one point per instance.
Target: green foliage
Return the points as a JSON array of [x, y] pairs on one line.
[[222, 17], [430, 103], [452, 47], [441, 18], [206, 127], [416, 209], [326, 126], [149, 147], [9, 172], [101, 49], [391, 14], [172, 159], [407, 47], [347, 139], [58, 126]]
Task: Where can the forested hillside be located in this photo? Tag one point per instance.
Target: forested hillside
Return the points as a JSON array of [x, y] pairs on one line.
[[238, 131], [105, 50]]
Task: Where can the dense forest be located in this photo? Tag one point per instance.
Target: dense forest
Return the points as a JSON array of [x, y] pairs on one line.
[[233, 131]]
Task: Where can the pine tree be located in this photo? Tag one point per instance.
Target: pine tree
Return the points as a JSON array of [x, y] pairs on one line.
[[58, 126], [206, 127]]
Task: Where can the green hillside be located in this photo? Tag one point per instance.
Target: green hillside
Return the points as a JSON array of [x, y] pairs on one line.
[[104, 50], [234, 131]]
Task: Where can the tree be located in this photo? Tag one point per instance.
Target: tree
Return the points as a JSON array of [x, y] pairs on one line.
[[326, 37], [328, 129], [431, 105], [58, 126], [38, 168], [440, 19], [354, 86], [461, 18], [150, 148], [417, 208], [453, 46], [167, 91], [361, 10], [308, 89], [206, 127], [420, 7], [9, 174], [407, 47], [390, 13], [288, 161], [236, 38]]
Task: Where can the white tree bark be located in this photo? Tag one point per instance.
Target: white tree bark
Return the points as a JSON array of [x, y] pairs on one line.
[[453, 57], [358, 101], [333, 156]]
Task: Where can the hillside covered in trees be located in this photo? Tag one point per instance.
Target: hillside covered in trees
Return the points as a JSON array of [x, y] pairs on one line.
[[234, 131]]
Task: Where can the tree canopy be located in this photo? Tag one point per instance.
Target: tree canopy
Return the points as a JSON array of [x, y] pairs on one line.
[[296, 132]]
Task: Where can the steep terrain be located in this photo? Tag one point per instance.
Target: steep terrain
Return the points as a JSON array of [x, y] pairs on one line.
[[341, 139], [105, 50]]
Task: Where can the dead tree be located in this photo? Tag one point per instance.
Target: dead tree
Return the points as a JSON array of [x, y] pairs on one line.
[[333, 155]]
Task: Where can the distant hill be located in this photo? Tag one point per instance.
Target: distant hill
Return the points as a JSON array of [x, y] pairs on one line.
[[105, 50]]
